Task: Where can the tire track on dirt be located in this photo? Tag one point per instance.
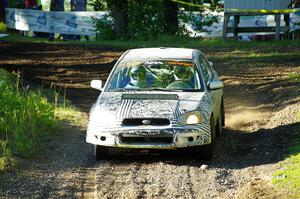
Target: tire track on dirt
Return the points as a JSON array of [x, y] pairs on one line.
[[190, 182], [202, 183], [88, 183], [133, 178], [165, 180], [115, 180]]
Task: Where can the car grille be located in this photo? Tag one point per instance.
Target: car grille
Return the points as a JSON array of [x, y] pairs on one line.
[[146, 140], [145, 121]]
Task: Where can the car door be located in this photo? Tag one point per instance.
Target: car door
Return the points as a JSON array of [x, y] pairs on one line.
[[209, 76]]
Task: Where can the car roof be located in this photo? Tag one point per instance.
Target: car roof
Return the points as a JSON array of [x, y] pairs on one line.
[[159, 53]]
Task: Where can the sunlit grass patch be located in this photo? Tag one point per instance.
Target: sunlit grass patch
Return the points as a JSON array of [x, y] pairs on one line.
[[6, 159], [3, 27], [289, 177], [295, 77], [257, 57], [70, 114], [298, 116]]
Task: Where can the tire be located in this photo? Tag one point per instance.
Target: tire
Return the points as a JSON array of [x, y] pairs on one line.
[[206, 152], [101, 152], [221, 120], [219, 127], [222, 113]]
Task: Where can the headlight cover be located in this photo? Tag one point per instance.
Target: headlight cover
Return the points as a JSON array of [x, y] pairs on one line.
[[190, 118], [102, 117]]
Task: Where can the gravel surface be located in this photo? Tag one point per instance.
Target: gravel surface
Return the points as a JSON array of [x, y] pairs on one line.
[[260, 125]]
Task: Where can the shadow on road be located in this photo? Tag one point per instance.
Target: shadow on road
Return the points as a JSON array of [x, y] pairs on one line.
[[234, 150]]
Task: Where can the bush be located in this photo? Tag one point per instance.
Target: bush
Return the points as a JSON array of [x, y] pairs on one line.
[[26, 117], [104, 27], [3, 27], [200, 21], [145, 19], [6, 160]]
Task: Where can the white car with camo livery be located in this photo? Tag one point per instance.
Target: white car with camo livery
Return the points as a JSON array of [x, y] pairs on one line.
[[158, 98]]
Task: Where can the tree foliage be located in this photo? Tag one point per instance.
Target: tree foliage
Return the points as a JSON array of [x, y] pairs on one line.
[[147, 19], [2, 11]]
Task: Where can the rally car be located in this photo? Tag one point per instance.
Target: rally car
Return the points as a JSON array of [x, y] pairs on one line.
[[158, 98]]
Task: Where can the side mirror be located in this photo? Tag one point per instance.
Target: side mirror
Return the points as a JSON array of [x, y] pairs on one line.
[[211, 64], [215, 85], [96, 84]]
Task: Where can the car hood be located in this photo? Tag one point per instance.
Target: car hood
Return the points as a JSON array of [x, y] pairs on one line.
[[120, 105]]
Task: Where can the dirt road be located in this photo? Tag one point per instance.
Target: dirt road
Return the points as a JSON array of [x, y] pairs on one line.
[[260, 101]]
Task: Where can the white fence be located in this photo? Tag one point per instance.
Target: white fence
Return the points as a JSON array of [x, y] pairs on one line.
[[81, 23], [52, 22]]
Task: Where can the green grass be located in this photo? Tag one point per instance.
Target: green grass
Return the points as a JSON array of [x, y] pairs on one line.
[[167, 41], [288, 179], [6, 159], [257, 56], [3, 27], [295, 77], [69, 114], [27, 119]]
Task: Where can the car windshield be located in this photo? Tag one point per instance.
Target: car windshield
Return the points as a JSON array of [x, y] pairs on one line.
[[164, 75]]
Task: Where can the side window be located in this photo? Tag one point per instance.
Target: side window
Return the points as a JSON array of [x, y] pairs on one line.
[[210, 70], [205, 69], [196, 79]]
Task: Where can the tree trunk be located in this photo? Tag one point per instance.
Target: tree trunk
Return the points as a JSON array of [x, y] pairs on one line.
[[2, 11], [213, 2], [170, 17], [119, 12]]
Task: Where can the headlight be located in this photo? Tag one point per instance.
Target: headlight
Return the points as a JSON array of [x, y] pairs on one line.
[[102, 118], [190, 118]]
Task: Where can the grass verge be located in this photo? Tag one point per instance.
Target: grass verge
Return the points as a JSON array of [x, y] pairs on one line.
[[288, 179], [165, 41], [27, 119], [295, 77]]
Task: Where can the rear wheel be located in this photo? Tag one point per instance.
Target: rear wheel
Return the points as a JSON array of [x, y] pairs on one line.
[[101, 152], [205, 152]]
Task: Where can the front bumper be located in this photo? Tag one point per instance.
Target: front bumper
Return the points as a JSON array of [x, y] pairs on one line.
[[151, 137]]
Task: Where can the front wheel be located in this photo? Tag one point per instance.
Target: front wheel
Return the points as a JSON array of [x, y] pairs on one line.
[[223, 112], [101, 152], [206, 152], [219, 127], [221, 120]]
